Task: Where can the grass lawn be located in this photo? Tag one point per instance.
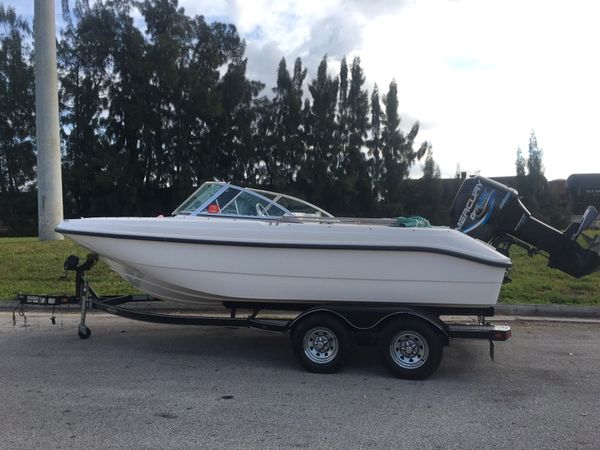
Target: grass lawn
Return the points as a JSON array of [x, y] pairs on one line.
[[33, 267], [534, 282]]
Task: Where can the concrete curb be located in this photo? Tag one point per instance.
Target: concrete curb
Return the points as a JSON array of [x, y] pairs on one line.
[[567, 311], [558, 311]]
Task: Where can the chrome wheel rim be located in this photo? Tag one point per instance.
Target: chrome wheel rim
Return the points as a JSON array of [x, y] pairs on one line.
[[409, 349], [320, 345]]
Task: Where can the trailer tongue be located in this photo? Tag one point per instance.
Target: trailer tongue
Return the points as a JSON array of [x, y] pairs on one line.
[[492, 212]]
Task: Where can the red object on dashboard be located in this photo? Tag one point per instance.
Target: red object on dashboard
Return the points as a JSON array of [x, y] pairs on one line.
[[213, 209]]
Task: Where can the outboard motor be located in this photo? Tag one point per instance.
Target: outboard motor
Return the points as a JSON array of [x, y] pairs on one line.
[[492, 212]]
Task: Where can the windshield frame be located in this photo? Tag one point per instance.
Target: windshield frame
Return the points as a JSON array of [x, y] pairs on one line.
[[259, 194]]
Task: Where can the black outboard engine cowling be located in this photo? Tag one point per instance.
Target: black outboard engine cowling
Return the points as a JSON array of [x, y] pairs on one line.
[[492, 212]]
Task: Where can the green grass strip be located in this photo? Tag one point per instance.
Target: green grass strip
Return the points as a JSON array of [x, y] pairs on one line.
[[33, 267]]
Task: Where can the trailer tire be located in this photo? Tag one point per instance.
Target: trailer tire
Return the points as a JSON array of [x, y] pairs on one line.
[[410, 348], [321, 343]]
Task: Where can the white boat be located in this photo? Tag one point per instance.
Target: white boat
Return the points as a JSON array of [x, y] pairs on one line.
[[228, 244]]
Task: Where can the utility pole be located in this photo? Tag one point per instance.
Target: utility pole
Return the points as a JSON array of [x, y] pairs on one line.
[[50, 203]]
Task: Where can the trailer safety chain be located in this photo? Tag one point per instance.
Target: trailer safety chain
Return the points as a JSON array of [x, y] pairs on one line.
[[20, 310]]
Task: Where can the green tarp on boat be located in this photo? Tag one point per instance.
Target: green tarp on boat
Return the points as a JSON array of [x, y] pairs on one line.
[[412, 222]]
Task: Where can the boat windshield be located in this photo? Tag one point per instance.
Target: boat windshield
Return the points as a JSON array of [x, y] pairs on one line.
[[215, 198]]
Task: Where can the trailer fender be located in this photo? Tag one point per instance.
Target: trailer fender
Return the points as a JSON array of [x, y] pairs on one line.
[[374, 318], [435, 322]]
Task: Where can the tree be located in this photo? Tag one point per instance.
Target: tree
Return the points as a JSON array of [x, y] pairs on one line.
[[458, 173], [354, 165], [342, 120], [535, 167], [397, 149], [374, 145], [520, 163], [83, 59], [521, 169], [127, 110], [234, 130], [17, 111], [147, 114], [534, 185], [174, 104], [541, 201], [430, 169], [284, 153], [431, 203], [18, 208], [210, 111], [321, 138]]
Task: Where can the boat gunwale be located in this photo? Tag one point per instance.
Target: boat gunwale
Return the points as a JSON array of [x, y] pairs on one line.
[[308, 246]]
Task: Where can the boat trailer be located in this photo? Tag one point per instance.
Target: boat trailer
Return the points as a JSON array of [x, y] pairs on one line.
[[410, 337]]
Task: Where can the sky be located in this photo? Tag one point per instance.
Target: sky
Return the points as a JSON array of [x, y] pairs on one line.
[[478, 75]]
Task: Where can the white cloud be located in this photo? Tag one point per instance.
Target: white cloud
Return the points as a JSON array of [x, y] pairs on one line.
[[479, 75], [486, 73]]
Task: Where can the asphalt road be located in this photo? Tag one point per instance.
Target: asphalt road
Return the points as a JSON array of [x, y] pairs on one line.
[[136, 385]]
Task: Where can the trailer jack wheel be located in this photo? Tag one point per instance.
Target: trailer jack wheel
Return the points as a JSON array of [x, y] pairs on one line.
[[84, 332]]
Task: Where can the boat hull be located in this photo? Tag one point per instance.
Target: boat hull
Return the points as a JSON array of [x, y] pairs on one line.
[[279, 271]]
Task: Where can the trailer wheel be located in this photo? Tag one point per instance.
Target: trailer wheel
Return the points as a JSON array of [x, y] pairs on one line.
[[410, 348], [321, 343], [84, 332]]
